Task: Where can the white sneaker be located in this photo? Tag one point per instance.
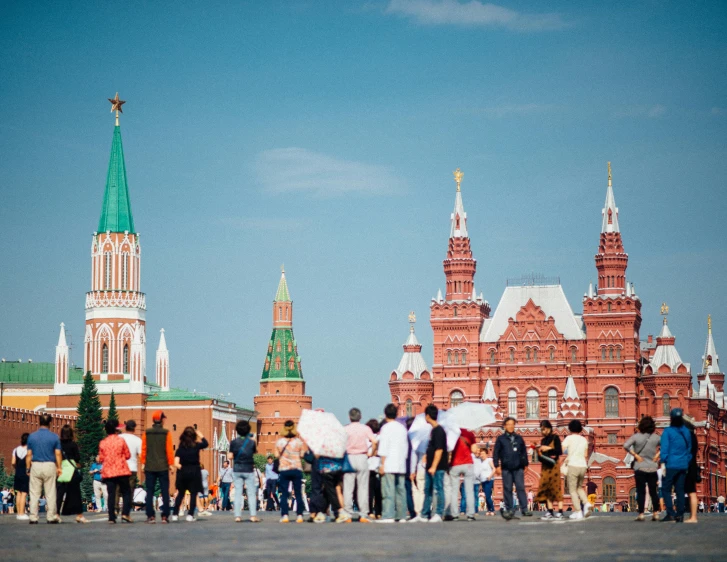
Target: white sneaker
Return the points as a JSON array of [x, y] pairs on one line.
[[23, 517], [587, 510], [576, 515], [418, 519], [435, 519], [175, 518], [402, 521], [385, 521], [547, 516], [559, 515], [191, 519], [205, 514]]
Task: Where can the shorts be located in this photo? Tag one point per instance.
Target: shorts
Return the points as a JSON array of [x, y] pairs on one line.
[[204, 494], [690, 482]]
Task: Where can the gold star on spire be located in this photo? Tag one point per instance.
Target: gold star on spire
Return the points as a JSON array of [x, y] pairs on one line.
[[458, 175], [116, 104]]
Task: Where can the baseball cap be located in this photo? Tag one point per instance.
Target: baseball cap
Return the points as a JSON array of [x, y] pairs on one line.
[[158, 416], [676, 413]]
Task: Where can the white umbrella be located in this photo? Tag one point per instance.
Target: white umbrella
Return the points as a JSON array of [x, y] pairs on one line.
[[600, 458], [420, 430], [471, 415], [323, 433]]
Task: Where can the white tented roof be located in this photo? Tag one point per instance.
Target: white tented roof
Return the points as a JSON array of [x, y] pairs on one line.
[[550, 298], [411, 361]]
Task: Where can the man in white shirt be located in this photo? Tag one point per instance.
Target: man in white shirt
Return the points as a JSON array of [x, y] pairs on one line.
[[139, 498], [393, 450], [134, 444]]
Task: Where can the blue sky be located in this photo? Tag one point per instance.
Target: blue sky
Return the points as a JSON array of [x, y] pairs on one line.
[[323, 135]]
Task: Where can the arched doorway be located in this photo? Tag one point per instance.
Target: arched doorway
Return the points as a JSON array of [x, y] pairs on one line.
[[633, 505], [609, 490]]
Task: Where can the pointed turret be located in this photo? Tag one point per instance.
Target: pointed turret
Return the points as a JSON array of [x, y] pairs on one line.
[[282, 361], [162, 363], [611, 260], [610, 210], [116, 210], [62, 357], [412, 360], [283, 295], [710, 359], [458, 218], [571, 405], [666, 353]]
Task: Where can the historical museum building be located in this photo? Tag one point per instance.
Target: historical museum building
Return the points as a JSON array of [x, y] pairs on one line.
[[282, 388], [115, 340], [533, 358]]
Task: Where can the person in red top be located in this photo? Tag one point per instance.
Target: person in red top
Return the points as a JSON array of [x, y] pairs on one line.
[[462, 465], [113, 453]]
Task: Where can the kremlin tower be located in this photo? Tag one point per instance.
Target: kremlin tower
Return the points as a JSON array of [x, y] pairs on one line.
[[282, 388], [411, 384]]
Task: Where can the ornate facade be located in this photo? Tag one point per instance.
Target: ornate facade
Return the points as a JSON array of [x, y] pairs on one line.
[[533, 358]]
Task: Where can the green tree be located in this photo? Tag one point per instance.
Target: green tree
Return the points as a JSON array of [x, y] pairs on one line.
[[7, 480], [89, 431], [113, 414]]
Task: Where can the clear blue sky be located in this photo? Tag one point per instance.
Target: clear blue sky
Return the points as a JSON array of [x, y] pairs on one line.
[[323, 136]]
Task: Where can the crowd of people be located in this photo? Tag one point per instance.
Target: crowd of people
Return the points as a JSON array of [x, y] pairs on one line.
[[381, 478]]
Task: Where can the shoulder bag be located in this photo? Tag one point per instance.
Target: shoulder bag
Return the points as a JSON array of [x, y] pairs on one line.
[[68, 470], [276, 462]]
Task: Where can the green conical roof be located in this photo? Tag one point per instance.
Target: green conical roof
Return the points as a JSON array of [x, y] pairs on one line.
[[116, 211], [282, 360], [282, 295]]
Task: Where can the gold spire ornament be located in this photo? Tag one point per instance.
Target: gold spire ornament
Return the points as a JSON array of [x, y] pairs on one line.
[[609, 174], [116, 104], [412, 320], [458, 175], [709, 323], [664, 311]]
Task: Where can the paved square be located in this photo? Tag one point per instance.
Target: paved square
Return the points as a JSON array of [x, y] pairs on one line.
[[612, 537]]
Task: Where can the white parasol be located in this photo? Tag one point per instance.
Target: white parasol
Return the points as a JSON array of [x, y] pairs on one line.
[[323, 433], [471, 415], [600, 458], [420, 430]]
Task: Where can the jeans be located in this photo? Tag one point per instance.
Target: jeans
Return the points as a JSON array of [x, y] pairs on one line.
[[374, 493], [487, 489], [225, 493], [393, 491], [359, 479], [152, 477], [674, 477], [644, 479], [285, 477], [122, 482], [409, 497], [467, 471], [251, 483], [433, 484], [518, 478], [271, 487]]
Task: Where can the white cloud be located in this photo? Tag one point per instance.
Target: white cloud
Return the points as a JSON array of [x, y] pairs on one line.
[[650, 111], [473, 14], [299, 170]]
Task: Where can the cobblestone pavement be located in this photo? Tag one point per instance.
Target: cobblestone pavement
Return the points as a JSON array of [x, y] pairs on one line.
[[612, 537]]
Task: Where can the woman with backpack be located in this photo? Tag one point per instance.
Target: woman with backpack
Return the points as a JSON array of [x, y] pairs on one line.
[[241, 455], [644, 446], [189, 472], [290, 449], [68, 484], [21, 482]]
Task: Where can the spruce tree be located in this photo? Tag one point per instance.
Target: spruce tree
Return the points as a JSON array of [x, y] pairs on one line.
[[113, 414], [89, 430]]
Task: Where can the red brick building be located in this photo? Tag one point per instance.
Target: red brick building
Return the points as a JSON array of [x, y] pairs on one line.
[[533, 358]]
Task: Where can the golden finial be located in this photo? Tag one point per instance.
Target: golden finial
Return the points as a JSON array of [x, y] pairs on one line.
[[458, 175], [412, 317], [116, 104], [664, 311], [609, 174], [709, 323], [282, 269]]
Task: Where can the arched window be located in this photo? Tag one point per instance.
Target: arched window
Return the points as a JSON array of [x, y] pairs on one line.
[[280, 313], [125, 271], [105, 359], [455, 398], [633, 504], [409, 408], [449, 358], [609, 490], [611, 396], [603, 354], [512, 404], [610, 354], [527, 354], [277, 363], [552, 403], [666, 405], [291, 364], [551, 355], [532, 405], [107, 270], [267, 364], [573, 354], [455, 311], [126, 359], [464, 358], [492, 356], [535, 355], [456, 358], [618, 354], [512, 355], [290, 346], [286, 312], [609, 307]]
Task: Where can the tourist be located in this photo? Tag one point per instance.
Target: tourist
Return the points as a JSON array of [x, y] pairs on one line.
[[204, 491], [410, 469], [271, 485], [241, 454], [591, 492], [549, 489], [691, 480], [437, 464], [360, 438], [510, 458], [290, 449], [21, 482], [139, 498], [393, 448], [189, 473], [99, 488], [157, 457], [225, 482], [484, 470], [644, 446], [575, 446], [68, 484], [113, 453], [675, 454], [133, 442], [461, 466], [720, 504], [375, 503], [43, 463], [331, 477]]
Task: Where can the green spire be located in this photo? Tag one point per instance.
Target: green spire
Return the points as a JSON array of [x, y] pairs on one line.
[[282, 295], [282, 360], [116, 211]]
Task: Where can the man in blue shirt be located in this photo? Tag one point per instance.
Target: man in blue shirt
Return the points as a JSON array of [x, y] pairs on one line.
[[271, 486], [99, 488], [44, 466], [676, 442]]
